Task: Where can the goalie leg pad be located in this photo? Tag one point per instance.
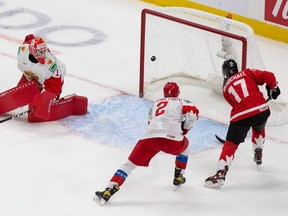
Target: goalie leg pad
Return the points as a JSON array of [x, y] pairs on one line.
[[80, 105], [18, 96], [64, 107], [42, 105]]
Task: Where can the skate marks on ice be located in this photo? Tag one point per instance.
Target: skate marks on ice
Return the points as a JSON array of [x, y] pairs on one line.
[[121, 120]]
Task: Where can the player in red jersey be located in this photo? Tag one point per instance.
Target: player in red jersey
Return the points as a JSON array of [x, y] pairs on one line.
[[249, 110], [170, 118]]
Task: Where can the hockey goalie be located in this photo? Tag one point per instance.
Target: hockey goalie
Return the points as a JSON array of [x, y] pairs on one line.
[[41, 85]]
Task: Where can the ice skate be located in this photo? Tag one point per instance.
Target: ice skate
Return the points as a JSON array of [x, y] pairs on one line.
[[101, 197], [179, 179], [217, 180], [258, 156]]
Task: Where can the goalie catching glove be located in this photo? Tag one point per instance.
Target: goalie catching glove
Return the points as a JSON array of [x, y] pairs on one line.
[[273, 93]]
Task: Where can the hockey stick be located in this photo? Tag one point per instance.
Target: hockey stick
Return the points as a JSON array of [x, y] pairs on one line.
[[219, 139], [28, 111], [15, 116]]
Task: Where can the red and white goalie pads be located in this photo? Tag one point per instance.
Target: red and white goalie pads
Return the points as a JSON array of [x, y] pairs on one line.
[[18, 96], [62, 108]]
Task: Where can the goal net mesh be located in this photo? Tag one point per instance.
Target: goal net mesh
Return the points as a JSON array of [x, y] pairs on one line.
[[189, 46]]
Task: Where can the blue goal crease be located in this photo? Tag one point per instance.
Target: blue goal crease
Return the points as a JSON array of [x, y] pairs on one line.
[[120, 121]]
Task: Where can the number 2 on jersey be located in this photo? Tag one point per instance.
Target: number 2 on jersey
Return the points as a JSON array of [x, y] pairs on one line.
[[161, 108]]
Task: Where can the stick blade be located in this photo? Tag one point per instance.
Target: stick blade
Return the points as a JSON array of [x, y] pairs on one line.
[[219, 139]]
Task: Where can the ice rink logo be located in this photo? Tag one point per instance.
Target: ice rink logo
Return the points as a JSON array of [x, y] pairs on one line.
[[24, 19], [95, 36]]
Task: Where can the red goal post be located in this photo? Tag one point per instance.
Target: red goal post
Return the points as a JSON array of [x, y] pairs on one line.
[[161, 15]]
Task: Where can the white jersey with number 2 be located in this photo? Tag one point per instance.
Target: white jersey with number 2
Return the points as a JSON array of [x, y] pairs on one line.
[[166, 116]]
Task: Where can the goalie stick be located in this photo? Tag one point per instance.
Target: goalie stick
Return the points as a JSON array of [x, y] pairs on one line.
[[28, 111], [15, 116]]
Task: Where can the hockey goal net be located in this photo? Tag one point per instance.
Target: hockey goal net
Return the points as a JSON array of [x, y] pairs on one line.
[[189, 46]]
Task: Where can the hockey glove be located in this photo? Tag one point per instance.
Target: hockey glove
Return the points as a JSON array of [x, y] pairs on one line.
[[273, 93]]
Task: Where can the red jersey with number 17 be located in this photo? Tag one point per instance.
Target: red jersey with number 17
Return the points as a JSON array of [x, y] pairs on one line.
[[241, 91]]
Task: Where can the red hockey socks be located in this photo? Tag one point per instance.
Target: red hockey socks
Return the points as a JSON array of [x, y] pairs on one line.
[[227, 155], [258, 139]]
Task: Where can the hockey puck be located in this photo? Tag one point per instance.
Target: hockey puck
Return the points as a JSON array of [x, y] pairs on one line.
[[153, 58]]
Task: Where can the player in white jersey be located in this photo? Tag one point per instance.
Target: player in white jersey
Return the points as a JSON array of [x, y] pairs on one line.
[[170, 118], [41, 85], [36, 61]]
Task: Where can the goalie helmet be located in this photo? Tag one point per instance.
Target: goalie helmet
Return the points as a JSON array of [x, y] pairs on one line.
[[229, 68], [171, 89], [38, 49]]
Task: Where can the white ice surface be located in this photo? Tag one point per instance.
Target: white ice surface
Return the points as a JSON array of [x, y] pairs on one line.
[[48, 169]]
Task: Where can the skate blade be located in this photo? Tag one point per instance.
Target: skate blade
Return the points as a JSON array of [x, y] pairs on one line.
[[177, 187], [209, 184], [99, 200]]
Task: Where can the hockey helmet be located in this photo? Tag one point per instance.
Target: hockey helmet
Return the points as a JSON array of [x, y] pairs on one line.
[[171, 89], [38, 49], [229, 68]]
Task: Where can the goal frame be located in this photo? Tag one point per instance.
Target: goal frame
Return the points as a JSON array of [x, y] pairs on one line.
[[146, 12]]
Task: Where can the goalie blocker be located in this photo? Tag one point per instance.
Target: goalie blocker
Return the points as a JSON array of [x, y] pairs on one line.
[[42, 105]]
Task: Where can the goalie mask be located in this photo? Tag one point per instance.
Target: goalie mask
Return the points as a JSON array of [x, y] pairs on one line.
[[171, 89], [229, 68], [38, 49]]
